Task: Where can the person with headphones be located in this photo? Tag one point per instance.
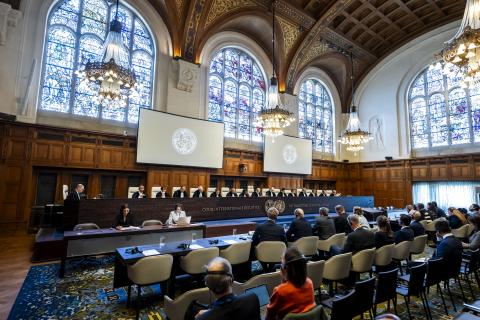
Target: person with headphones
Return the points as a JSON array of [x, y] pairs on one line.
[[219, 280]]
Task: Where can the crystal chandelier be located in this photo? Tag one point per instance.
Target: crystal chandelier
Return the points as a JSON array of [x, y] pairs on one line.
[[354, 137], [463, 50], [116, 82], [273, 119]]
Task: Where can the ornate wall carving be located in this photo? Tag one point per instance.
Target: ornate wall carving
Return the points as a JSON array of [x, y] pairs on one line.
[[179, 5], [221, 7], [8, 18], [192, 30], [290, 34], [187, 75]]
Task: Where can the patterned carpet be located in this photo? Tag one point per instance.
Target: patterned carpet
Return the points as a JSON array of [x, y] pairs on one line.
[[85, 293]]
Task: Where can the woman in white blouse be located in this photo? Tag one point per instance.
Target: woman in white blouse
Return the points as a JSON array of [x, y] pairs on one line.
[[361, 218], [176, 214]]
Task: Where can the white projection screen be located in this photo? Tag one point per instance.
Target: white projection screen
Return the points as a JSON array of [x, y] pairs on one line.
[[287, 155], [164, 138]]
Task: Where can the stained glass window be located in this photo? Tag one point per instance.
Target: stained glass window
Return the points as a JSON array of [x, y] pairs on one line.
[[76, 32], [441, 112], [236, 93], [315, 115]]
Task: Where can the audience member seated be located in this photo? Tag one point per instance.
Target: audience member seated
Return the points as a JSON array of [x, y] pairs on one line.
[[324, 227], [299, 228], [216, 194], [270, 192], [474, 209], [434, 211], [295, 294], [140, 194], [257, 193], [124, 218], [474, 239], [421, 208], [219, 279], [384, 235], [363, 221], [199, 193], [269, 230], [405, 233], [282, 193], [455, 218], [181, 193], [176, 214], [303, 193], [232, 193], [77, 194], [162, 193], [359, 239], [341, 222], [416, 226], [293, 193], [410, 209], [448, 247]]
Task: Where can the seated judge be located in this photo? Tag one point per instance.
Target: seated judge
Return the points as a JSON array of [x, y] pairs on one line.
[[232, 193], [282, 193], [199, 193], [359, 239], [303, 193], [140, 194], [124, 218], [313, 193], [244, 194], [77, 193], [300, 227], [181, 193], [176, 214], [334, 193], [270, 192], [405, 233], [293, 193], [216, 194], [162, 193], [322, 193], [257, 193], [324, 227], [416, 226]]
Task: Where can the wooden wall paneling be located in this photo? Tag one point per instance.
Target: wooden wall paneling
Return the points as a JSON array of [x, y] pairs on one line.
[[461, 168], [111, 158], [47, 152], [121, 187], [81, 155]]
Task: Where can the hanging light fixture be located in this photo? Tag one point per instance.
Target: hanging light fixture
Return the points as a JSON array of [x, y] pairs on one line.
[[354, 137], [273, 119], [112, 74], [463, 50]]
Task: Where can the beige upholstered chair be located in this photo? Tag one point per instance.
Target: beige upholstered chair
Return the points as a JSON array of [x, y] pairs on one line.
[[430, 227], [154, 192], [471, 228], [383, 255], [401, 252], [362, 261], [175, 309], [418, 244], [131, 191], [307, 245], [237, 253], [315, 272], [337, 268], [86, 226], [147, 223], [317, 313], [147, 271], [195, 261], [270, 251], [337, 239], [271, 280], [461, 233], [424, 223]]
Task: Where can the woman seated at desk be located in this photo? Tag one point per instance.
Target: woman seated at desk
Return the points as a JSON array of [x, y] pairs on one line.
[[124, 218], [176, 214]]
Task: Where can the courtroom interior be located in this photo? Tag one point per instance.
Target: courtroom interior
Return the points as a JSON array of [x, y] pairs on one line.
[[239, 159]]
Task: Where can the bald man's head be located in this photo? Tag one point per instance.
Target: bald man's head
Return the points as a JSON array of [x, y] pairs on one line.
[[219, 276]]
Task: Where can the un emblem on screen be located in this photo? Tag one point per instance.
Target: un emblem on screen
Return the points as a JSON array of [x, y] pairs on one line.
[[278, 204], [289, 154], [184, 141]]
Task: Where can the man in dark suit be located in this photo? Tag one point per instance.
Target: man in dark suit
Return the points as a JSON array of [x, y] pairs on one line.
[[232, 193], [77, 193], [216, 194], [449, 248], [405, 233], [181, 193], [299, 228], [269, 230], [199, 193], [257, 193], [292, 193], [270, 192], [334, 193], [313, 193], [282, 193], [140, 194], [341, 222], [303, 193], [324, 227], [416, 226], [421, 208], [360, 239], [162, 193], [243, 194], [219, 279]]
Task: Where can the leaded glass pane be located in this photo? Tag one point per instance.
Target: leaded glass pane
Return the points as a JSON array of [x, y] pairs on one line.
[[475, 109], [65, 18], [70, 5], [418, 87], [458, 109], [141, 40], [435, 81], [90, 49], [125, 17]]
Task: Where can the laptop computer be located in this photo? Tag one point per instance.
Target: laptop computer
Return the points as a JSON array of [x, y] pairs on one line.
[[182, 221], [263, 297]]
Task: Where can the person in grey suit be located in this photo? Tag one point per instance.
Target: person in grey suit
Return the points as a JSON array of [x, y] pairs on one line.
[[324, 227], [474, 239]]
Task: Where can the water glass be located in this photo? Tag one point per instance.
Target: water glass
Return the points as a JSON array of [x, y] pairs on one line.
[[162, 241], [194, 237], [234, 232]]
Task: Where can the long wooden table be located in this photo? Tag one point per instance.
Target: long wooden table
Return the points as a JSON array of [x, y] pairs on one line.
[[101, 241]]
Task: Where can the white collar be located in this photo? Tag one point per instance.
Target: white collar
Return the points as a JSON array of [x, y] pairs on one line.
[[447, 235]]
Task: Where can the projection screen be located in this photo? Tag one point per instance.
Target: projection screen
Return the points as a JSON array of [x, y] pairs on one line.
[[164, 138], [287, 155]]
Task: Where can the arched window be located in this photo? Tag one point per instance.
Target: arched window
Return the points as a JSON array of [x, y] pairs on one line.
[[315, 115], [76, 32], [442, 113], [236, 93]]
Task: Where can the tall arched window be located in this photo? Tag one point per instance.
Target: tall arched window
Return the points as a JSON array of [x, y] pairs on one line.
[[315, 115], [441, 112], [236, 93], [75, 33]]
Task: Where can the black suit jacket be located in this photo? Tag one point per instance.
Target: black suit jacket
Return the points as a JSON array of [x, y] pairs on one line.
[[268, 231], [215, 195], [404, 234], [243, 195], [196, 194], [255, 194], [302, 194], [311, 194], [159, 195], [270, 194], [359, 240], [324, 228], [299, 228], [232, 194], [382, 239], [129, 220], [417, 228], [245, 306], [292, 195], [450, 249], [281, 194], [75, 196], [177, 194], [342, 225], [136, 195]]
